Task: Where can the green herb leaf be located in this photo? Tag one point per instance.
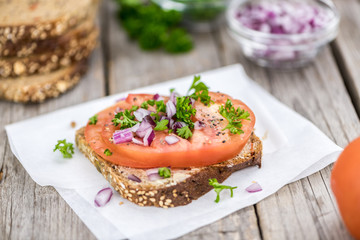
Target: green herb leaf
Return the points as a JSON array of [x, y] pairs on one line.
[[172, 89], [184, 132], [218, 188], [125, 118], [185, 110], [93, 120], [160, 106], [201, 91], [65, 148], [162, 125], [234, 116], [144, 105], [164, 172], [107, 152]]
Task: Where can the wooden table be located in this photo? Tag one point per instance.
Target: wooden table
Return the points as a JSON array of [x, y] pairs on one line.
[[327, 93]]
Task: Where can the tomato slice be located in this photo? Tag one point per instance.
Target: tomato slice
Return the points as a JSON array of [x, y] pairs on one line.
[[207, 146]]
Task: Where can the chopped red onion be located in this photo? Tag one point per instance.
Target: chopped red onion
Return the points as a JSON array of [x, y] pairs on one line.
[[173, 98], [156, 97], [153, 174], [134, 178], [103, 197], [177, 125], [122, 136], [135, 127], [284, 17], [199, 125], [149, 120], [143, 128], [255, 187], [141, 113], [154, 177], [170, 109], [118, 109], [171, 139], [192, 101], [137, 141], [149, 137], [152, 171], [171, 123]]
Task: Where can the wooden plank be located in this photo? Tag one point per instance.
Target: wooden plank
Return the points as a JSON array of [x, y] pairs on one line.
[[346, 46], [29, 210], [130, 67], [304, 209]]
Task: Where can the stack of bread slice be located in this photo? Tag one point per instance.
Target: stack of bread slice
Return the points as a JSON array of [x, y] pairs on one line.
[[44, 46]]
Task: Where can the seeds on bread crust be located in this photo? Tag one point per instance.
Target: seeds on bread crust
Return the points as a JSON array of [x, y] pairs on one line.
[[183, 186], [25, 48], [37, 88], [30, 20], [50, 61]]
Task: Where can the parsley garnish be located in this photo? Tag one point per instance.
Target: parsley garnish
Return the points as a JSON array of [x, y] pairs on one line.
[[218, 188], [234, 117], [184, 132], [65, 148], [164, 172], [172, 89], [107, 152], [184, 111], [201, 91], [147, 103], [160, 106], [125, 118], [93, 120], [162, 125]]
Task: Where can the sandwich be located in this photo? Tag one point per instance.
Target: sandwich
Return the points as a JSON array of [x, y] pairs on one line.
[[164, 151]]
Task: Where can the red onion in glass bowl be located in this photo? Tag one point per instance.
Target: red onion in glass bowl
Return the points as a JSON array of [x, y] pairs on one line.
[[282, 33]]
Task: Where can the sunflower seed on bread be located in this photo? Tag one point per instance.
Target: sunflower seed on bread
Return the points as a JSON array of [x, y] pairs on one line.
[[181, 188]]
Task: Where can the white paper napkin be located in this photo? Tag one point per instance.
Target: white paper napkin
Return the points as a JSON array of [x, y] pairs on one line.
[[293, 148]]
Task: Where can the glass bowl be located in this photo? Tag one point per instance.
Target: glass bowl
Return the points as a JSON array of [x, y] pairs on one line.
[[281, 50], [198, 15]]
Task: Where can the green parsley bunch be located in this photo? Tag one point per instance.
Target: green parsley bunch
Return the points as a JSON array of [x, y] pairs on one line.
[[153, 27]]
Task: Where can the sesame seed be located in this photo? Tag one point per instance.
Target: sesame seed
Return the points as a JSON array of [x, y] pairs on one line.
[[152, 199]]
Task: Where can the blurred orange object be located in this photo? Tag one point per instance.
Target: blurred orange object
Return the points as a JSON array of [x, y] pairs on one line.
[[345, 183]]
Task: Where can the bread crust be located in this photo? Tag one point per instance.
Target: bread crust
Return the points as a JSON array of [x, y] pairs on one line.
[[49, 61], [37, 88], [182, 188], [35, 29], [67, 40]]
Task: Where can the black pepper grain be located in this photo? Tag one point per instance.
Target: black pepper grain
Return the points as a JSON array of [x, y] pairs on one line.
[[223, 141]]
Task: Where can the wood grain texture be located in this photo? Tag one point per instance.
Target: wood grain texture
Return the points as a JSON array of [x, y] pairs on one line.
[[346, 46], [30, 211], [305, 209]]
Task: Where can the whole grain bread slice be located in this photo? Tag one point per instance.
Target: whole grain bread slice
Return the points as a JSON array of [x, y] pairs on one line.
[[49, 61], [181, 188], [69, 39], [39, 87], [40, 19]]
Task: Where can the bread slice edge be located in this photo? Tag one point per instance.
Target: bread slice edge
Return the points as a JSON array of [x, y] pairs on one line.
[[172, 192]]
